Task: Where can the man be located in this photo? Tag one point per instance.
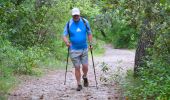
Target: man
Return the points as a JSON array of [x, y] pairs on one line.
[[78, 31]]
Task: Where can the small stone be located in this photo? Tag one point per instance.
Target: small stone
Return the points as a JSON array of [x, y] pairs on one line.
[[14, 94], [88, 95], [108, 92], [116, 97], [109, 98], [42, 96]]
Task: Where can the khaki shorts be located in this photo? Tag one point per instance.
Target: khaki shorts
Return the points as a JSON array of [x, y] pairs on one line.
[[79, 57]]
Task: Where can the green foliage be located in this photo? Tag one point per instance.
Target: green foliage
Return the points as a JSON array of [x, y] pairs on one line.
[[30, 35], [122, 36], [153, 79], [152, 84], [19, 61], [88, 9], [30, 38], [123, 21], [108, 76], [119, 27], [98, 46]]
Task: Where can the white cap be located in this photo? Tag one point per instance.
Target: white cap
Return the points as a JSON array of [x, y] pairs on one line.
[[75, 11]]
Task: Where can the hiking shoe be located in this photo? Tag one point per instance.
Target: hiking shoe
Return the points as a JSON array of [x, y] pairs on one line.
[[79, 88], [86, 83]]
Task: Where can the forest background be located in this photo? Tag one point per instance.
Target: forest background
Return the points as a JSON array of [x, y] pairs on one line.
[[31, 31]]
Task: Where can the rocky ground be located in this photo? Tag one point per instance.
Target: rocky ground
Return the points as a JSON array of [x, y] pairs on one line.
[[51, 86]]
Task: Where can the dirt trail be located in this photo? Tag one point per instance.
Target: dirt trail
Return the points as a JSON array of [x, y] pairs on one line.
[[51, 87]]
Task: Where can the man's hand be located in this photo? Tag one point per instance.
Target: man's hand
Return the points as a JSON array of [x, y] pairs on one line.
[[90, 47], [66, 41], [90, 41], [68, 44]]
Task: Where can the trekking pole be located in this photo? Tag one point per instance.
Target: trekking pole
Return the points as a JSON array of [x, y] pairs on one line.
[[93, 66], [66, 67]]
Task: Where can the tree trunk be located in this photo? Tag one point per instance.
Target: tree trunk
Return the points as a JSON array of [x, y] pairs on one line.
[[146, 40], [103, 33]]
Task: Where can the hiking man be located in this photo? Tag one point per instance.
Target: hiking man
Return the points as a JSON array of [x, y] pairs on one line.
[[78, 30]]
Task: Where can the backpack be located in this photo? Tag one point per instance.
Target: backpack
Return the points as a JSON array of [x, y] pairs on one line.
[[69, 22]]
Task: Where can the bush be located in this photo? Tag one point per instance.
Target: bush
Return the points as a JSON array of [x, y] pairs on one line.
[[30, 34], [122, 35], [117, 32], [154, 78]]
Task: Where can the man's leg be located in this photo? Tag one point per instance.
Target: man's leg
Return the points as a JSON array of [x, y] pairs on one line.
[[78, 78], [84, 61], [78, 75], [75, 57], [85, 69]]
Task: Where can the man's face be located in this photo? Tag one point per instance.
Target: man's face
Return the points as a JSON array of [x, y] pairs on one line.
[[76, 17]]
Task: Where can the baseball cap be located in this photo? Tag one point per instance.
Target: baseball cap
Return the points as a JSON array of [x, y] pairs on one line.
[[75, 11]]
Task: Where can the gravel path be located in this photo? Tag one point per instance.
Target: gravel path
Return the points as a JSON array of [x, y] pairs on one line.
[[51, 87]]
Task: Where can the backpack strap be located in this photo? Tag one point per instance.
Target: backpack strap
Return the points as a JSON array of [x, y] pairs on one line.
[[84, 23], [68, 28], [69, 23]]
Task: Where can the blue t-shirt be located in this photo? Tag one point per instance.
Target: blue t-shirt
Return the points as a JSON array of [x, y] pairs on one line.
[[78, 34]]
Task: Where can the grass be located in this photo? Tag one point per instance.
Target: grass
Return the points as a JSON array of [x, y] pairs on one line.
[[6, 84], [9, 80]]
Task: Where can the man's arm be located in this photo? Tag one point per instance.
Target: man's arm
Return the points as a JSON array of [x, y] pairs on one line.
[[89, 34], [66, 41], [90, 40], [65, 34]]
